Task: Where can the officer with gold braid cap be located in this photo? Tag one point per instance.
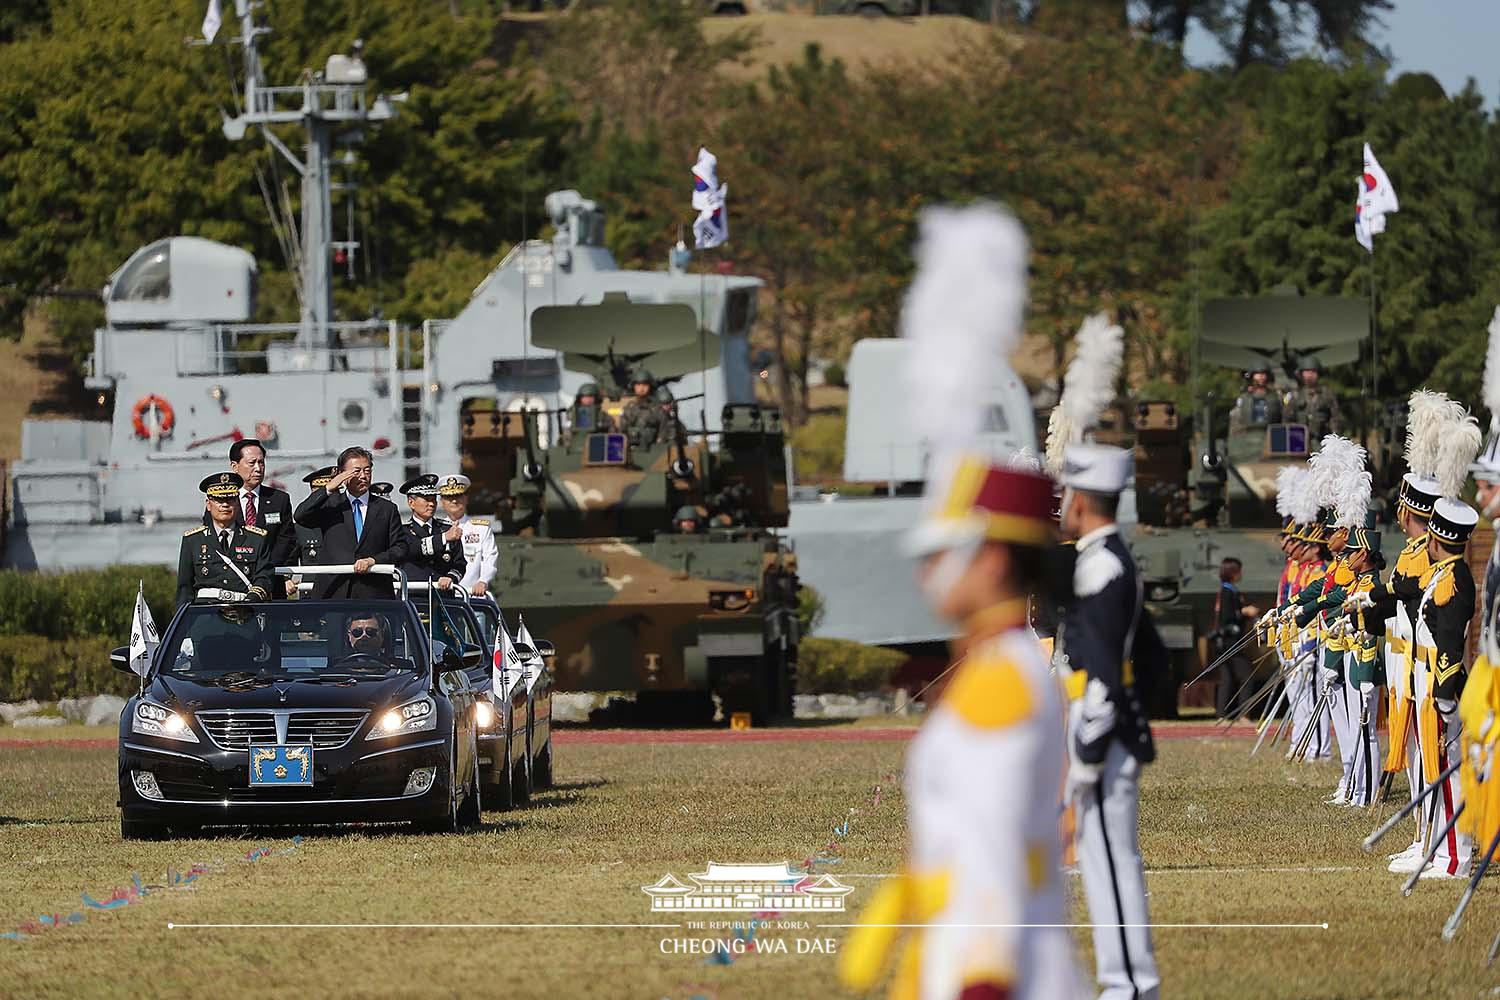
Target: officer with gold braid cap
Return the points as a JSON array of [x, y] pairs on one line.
[[983, 777]]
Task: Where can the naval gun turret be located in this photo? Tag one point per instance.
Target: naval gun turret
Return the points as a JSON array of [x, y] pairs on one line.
[[594, 550]]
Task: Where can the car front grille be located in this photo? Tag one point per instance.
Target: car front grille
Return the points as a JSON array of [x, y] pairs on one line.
[[324, 728]]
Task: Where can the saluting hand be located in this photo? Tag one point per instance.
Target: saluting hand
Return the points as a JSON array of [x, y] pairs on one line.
[[339, 480]]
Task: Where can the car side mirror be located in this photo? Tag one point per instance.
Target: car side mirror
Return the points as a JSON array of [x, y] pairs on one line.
[[545, 648], [473, 656], [119, 658]]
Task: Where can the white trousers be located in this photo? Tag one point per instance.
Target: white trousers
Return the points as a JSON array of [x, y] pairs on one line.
[[1114, 880], [1306, 688], [1359, 747]]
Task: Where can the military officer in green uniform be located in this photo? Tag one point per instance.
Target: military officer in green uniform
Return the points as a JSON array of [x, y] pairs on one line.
[[1258, 404], [1313, 403], [642, 420], [222, 560]]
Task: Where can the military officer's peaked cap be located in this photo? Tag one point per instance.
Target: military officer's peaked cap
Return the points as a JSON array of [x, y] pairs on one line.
[[222, 485], [452, 486], [1095, 468], [381, 489], [321, 477], [972, 499], [420, 486], [1452, 522], [1419, 493]]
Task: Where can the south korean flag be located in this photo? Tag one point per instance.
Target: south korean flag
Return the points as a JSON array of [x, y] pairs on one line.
[[143, 635]]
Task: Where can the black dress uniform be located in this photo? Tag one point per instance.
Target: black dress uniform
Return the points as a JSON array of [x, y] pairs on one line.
[[428, 555], [1109, 650], [236, 559]]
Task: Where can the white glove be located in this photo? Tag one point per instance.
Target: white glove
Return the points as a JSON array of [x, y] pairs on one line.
[[1366, 687], [1361, 599], [1081, 777], [1330, 677]]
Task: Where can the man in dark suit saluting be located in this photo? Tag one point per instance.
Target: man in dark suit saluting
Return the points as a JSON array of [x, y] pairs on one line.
[[265, 507], [357, 528]]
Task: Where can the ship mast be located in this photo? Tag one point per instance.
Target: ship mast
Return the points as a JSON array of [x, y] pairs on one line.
[[323, 103]]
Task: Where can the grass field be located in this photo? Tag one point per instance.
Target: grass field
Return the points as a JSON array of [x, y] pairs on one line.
[[1227, 840]]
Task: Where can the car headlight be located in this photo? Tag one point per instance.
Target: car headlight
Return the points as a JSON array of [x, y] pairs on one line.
[[418, 716], [484, 715], [151, 719]]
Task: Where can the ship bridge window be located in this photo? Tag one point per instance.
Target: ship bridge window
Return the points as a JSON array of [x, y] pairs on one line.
[[148, 278]]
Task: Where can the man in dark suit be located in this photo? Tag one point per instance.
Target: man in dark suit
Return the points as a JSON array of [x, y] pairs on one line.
[[265, 507], [357, 528]]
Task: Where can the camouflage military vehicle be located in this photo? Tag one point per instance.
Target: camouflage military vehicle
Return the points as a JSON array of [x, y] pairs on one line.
[[591, 554], [1204, 491]]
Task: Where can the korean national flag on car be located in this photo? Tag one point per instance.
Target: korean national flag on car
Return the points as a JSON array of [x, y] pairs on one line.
[[143, 636], [504, 666], [523, 636], [711, 228]]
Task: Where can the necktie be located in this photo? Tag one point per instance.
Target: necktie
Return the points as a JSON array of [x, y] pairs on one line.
[[251, 518], [359, 522], [224, 540]]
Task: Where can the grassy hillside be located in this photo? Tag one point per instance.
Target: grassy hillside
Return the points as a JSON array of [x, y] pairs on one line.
[[856, 40]]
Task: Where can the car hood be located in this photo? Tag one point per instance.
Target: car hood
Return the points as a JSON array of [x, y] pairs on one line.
[[372, 693]]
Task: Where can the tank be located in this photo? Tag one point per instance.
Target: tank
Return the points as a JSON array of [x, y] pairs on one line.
[[592, 553]]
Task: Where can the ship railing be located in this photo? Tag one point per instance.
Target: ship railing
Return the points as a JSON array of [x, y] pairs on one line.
[[244, 348], [290, 104]]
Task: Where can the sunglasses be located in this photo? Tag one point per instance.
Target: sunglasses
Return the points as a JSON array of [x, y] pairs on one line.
[[360, 631]]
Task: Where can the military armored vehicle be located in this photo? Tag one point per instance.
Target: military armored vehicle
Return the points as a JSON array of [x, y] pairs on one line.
[[592, 552], [181, 373]]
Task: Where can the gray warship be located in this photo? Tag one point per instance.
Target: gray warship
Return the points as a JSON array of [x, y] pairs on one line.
[[188, 373]]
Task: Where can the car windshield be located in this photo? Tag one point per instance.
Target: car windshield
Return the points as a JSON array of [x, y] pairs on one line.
[[459, 628], [297, 640], [489, 619]]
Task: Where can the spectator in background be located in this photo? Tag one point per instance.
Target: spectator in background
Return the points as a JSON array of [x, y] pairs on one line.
[[1232, 616]]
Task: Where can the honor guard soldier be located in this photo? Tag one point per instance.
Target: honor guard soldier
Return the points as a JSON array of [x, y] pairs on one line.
[[1479, 707], [481, 555], [1309, 726], [1106, 645], [1361, 672], [983, 879], [433, 549], [223, 560], [1441, 641]]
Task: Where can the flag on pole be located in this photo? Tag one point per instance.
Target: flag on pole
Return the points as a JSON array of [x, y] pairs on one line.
[[711, 228], [143, 635], [523, 636], [212, 20], [1361, 228], [1377, 196], [505, 656]]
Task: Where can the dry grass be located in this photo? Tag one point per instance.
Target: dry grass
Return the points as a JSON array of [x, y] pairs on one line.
[[858, 41], [1213, 823], [29, 371]]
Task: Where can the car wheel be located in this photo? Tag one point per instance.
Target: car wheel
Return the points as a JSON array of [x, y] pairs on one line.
[[448, 821], [520, 779], [471, 814], [541, 766], [500, 792], [136, 829]]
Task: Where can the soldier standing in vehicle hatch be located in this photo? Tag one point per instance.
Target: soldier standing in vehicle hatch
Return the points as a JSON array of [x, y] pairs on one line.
[[1257, 404], [642, 420], [1312, 403]]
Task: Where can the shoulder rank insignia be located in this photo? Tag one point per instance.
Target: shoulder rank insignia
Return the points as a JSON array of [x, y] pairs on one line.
[[254, 530], [483, 521], [193, 531]]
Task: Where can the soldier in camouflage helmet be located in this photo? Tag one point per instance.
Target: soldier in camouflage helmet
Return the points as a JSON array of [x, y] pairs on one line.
[[1313, 404], [642, 419], [586, 416], [1258, 404], [687, 520]]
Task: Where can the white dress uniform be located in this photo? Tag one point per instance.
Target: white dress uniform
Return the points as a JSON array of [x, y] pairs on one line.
[[480, 552]]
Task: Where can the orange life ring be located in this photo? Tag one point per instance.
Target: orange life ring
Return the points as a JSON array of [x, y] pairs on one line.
[[164, 413]]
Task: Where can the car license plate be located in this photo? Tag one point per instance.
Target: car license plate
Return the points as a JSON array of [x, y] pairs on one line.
[[281, 765]]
